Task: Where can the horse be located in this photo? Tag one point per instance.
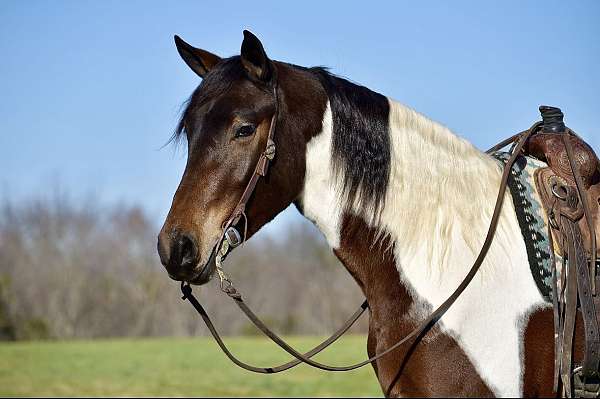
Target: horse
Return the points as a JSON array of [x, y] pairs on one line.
[[403, 202]]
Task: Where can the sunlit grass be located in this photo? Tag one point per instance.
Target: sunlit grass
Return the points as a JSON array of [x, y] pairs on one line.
[[175, 367]]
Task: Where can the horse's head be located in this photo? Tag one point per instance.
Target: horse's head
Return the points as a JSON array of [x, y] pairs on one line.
[[226, 125]]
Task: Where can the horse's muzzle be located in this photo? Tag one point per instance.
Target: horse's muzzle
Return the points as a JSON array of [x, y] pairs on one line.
[[179, 254]]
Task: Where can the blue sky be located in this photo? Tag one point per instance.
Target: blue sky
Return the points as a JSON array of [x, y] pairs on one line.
[[90, 91]]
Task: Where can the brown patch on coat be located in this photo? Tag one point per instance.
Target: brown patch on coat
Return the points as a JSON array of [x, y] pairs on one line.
[[436, 365], [538, 349]]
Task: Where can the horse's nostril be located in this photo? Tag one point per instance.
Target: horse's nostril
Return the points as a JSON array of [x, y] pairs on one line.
[[163, 249], [178, 251], [188, 251]]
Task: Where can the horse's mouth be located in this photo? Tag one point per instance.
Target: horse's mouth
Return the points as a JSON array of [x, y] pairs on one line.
[[206, 272]]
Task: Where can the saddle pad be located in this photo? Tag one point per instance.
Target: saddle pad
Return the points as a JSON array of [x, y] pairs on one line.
[[532, 219]]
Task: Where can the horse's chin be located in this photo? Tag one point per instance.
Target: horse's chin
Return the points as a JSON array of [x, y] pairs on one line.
[[205, 272]]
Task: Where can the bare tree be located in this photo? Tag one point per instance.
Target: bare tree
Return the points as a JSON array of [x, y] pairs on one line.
[[85, 270]]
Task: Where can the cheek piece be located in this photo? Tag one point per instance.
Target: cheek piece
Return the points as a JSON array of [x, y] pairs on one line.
[[231, 236]]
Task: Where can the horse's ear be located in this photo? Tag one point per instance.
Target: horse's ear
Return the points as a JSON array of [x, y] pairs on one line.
[[254, 58], [200, 61]]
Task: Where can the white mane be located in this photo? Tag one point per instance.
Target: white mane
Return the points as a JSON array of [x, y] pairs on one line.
[[441, 189]]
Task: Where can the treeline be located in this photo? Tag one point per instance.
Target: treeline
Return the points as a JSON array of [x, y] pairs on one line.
[[83, 270]]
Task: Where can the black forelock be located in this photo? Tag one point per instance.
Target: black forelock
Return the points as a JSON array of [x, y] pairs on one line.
[[216, 82]]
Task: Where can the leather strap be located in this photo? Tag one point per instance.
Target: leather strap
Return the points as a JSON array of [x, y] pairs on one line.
[[556, 308], [579, 287], [586, 207], [261, 169], [586, 381], [588, 309], [187, 294], [570, 314], [564, 194]]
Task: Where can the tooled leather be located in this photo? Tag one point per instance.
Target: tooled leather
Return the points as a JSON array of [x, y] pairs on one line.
[[549, 147], [545, 178]]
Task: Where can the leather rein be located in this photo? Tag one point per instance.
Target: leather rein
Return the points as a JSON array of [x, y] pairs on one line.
[[231, 238]]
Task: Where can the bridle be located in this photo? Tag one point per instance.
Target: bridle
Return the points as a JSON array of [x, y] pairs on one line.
[[231, 238]]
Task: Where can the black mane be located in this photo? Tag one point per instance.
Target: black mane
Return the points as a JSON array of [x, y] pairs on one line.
[[361, 139]]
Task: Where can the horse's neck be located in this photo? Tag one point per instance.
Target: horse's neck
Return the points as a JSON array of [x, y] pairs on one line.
[[411, 257], [441, 189], [437, 207], [441, 195]]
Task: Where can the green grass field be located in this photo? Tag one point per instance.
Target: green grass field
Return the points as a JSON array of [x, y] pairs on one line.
[[175, 367]]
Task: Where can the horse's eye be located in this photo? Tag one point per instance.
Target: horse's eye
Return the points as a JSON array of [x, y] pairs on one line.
[[245, 131]]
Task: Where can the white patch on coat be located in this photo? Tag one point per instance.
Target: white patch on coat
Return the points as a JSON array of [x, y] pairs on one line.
[[319, 200]]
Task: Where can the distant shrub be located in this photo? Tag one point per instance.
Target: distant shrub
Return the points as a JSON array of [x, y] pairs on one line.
[[33, 329], [8, 331]]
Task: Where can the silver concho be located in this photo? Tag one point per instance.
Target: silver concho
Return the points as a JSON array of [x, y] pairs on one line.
[[270, 150]]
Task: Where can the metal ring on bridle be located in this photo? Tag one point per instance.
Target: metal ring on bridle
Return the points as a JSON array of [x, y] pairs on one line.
[[233, 237]]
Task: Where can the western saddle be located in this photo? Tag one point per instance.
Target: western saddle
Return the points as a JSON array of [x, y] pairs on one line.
[[570, 191]]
